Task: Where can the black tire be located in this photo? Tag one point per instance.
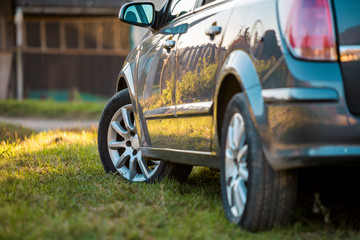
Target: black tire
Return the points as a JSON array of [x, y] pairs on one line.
[[271, 195], [164, 169]]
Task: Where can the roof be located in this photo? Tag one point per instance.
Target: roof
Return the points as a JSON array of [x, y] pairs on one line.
[[71, 7], [71, 3]]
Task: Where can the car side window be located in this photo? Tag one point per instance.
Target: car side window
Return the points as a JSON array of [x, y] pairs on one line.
[[180, 7], [208, 1]]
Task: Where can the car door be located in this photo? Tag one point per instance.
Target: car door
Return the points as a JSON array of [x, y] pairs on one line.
[[197, 65], [156, 77]]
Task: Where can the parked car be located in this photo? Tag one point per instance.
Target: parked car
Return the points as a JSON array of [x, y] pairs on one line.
[[256, 89]]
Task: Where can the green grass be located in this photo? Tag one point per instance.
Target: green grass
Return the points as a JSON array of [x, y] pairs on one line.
[[13, 133], [51, 109], [52, 186]]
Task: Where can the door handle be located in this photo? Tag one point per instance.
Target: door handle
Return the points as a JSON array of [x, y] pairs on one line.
[[169, 44], [213, 30]]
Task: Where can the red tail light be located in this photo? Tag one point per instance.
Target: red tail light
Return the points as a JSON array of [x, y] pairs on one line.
[[308, 28]]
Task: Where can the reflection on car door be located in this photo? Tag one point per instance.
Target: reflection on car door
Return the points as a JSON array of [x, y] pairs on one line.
[[156, 85], [197, 65], [156, 92]]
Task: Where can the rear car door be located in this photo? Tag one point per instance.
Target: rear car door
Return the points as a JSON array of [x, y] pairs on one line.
[[197, 64]]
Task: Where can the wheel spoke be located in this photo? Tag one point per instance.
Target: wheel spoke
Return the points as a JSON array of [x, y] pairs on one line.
[[113, 145], [155, 162], [242, 154], [241, 133], [143, 167], [230, 181], [132, 168], [232, 198], [127, 120], [236, 133], [236, 200], [231, 173], [229, 154], [119, 129], [244, 172], [243, 191], [230, 192], [239, 194], [230, 136], [121, 161]]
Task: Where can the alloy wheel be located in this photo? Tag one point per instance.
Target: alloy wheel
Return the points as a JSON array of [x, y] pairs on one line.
[[124, 147], [236, 169]]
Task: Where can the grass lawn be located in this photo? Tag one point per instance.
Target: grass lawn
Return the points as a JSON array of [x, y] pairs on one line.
[[52, 186], [13, 133], [51, 109]]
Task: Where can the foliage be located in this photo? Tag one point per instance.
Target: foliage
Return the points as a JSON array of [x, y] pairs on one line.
[[181, 133], [52, 109], [167, 98], [263, 66], [192, 86]]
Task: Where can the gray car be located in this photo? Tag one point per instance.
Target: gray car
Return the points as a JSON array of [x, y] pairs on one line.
[[256, 89]]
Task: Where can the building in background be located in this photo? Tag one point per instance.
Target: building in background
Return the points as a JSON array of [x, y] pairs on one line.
[[137, 33], [68, 47]]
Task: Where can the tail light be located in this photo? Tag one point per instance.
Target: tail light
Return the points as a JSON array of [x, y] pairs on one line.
[[308, 28]]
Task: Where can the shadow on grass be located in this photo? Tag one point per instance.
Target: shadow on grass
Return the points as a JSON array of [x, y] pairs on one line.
[[206, 179], [330, 197], [12, 133], [336, 207]]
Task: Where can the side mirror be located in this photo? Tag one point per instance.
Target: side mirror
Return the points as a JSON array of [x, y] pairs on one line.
[[140, 14]]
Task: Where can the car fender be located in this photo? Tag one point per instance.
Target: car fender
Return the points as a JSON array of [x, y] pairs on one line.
[[126, 80], [240, 65], [126, 77]]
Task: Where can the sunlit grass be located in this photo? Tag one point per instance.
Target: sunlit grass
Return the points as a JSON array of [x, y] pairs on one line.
[[51, 109], [52, 186]]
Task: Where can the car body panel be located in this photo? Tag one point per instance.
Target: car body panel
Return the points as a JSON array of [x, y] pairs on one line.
[[299, 108], [348, 26], [156, 83], [197, 64]]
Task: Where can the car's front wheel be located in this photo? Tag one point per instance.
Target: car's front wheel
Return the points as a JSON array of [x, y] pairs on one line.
[[119, 146], [254, 195]]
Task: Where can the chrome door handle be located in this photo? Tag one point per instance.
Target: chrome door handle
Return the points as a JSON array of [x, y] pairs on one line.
[[169, 44], [213, 30]]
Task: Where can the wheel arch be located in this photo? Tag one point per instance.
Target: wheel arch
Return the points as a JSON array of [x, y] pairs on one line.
[[126, 80], [238, 74], [228, 88], [121, 84]]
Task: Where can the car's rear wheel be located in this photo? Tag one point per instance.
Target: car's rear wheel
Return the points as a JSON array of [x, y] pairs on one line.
[[119, 146], [254, 195]]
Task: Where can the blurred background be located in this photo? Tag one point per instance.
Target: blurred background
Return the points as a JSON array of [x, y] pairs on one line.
[[63, 50]]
